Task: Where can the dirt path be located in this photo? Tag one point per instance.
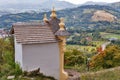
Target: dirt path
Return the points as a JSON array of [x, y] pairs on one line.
[[73, 74]]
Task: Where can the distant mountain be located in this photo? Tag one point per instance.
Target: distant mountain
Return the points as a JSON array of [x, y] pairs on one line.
[[115, 5], [43, 5], [57, 4], [80, 17], [95, 3], [2, 12], [83, 16]]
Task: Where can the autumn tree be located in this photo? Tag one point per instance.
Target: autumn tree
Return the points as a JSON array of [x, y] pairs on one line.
[[109, 58]]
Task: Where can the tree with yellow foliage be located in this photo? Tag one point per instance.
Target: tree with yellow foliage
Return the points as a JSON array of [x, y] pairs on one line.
[[109, 58]]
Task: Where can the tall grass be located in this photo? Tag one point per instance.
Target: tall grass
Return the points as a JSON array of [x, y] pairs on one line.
[[102, 75]]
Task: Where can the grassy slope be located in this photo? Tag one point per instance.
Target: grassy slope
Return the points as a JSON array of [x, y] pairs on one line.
[[109, 74], [81, 48], [85, 48], [110, 35]]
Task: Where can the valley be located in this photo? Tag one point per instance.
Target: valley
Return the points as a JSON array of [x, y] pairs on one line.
[[93, 44]]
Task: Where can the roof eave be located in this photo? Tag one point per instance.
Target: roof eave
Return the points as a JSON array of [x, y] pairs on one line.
[[12, 30]]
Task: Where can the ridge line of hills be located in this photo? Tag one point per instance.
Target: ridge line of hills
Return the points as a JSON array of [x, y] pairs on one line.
[[75, 17], [46, 5]]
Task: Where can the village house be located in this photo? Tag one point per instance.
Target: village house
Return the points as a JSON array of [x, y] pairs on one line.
[[41, 45], [3, 33]]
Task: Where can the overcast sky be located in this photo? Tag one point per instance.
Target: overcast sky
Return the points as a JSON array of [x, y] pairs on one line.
[[38, 1], [83, 1], [18, 1]]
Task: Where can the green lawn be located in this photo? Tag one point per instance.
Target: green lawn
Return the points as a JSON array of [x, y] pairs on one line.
[[98, 43], [86, 48], [81, 48], [110, 35]]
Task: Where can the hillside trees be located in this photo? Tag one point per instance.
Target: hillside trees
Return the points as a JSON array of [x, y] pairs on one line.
[[7, 63], [77, 17], [96, 35], [109, 58], [74, 57]]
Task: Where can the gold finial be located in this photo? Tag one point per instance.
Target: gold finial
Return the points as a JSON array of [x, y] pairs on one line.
[[45, 18], [53, 14], [61, 24]]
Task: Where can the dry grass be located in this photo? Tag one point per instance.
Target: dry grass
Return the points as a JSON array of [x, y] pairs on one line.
[[108, 74]]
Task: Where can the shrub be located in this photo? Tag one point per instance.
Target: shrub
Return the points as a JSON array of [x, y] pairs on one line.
[[17, 70], [74, 57], [108, 58]]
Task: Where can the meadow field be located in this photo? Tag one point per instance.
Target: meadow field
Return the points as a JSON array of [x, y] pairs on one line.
[[110, 35]]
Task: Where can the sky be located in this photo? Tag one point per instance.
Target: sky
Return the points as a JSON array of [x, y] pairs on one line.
[[83, 1], [38, 1]]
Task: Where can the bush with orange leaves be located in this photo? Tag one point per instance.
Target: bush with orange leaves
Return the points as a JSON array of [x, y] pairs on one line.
[[109, 58]]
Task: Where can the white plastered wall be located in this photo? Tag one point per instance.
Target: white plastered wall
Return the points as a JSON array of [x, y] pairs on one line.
[[18, 53], [43, 56]]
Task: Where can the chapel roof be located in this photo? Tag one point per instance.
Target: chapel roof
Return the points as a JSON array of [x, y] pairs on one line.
[[32, 32], [54, 24]]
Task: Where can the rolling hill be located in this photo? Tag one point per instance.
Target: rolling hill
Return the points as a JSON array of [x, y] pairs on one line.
[[101, 15], [82, 16], [95, 3], [76, 17], [38, 5], [115, 5]]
